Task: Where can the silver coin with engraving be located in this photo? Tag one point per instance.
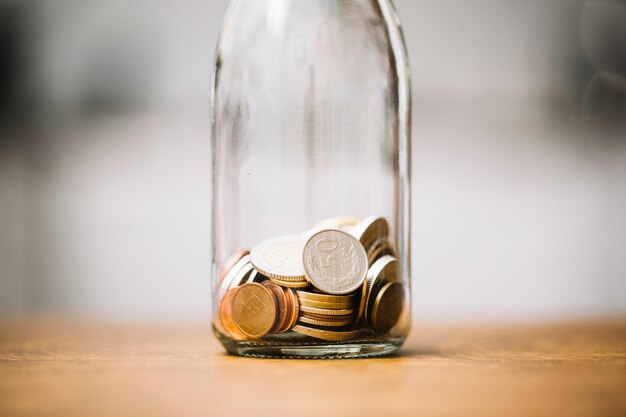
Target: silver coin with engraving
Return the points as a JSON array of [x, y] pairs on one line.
[[334, 261], [279, 258]]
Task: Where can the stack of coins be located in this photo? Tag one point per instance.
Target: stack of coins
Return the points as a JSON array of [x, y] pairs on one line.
[[331, 283], [326, 310]]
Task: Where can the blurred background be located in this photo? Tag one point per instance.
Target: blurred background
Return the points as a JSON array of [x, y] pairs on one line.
[[519, 157]]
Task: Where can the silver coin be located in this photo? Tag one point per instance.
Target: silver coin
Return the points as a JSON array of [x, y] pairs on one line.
[[256, 276], [242, 276], [231, 276], [280, 258], [334, 261]]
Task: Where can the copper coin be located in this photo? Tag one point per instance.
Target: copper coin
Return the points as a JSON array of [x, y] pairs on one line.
[[281, 303], [295, 311], [226, 316], [387, 308], [254, 310], [289, 309]]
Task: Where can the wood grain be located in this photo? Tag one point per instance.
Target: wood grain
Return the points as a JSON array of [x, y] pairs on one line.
[[50, 368]]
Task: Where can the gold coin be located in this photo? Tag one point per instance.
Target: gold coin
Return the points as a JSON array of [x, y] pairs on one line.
[[290, 284], [329, 335], [281, 304], [323, 323], [380, 248], [369, 230], [326, 311], [313, 296], [385, 269], [361, 311], [226, 317], [323, 304], [280, 258], [254, 310], [387, 307], [343, 318]]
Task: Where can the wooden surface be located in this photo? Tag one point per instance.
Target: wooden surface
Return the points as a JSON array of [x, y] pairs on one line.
[[60, 369]]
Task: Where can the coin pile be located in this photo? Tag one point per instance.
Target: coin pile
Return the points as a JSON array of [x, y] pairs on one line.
[[332, 282]]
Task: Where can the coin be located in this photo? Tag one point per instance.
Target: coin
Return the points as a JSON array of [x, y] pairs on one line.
[[334, 261], [243, 275], [293, 309], [230, 280], [230, 262], [323, 323], [256, 276], [281, 303], [383, 270], [369, 230], [387, 307], [291, 284], [379, 248], [329, 335], [322, 304], [333, 319], [289, 311], [327, 298], [326, 311], [280, 258], [254, 310], [362, 301], [226, 317]]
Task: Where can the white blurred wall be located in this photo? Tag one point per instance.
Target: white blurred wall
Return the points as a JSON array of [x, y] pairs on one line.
[[517, 211]]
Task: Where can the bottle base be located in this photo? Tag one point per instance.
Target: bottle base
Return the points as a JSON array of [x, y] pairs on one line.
[[290, 346]]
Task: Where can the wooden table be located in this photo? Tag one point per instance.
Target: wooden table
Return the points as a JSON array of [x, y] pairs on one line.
[[50, 368]]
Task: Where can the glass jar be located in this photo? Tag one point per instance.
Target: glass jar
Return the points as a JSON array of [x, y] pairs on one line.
[[311, 112]]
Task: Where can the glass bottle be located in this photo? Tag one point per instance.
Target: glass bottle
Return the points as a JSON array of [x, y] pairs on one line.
[[311, 112]]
